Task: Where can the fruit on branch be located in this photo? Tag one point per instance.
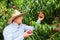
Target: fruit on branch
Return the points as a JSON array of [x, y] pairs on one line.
[[41, 14], [58, 25], [14, 7], [56, 29]]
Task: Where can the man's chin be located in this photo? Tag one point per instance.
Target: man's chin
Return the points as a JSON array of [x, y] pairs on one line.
[[20, 23]]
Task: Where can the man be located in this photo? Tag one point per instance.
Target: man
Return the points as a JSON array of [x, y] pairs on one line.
[[16, 30]]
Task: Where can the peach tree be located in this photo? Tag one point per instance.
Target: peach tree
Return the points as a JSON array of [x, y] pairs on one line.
[[51, 9]]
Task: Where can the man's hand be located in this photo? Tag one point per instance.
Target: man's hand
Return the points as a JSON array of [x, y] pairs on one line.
[[41, 16], [26, 35]]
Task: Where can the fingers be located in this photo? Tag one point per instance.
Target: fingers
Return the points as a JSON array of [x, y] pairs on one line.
[[27, 34], [40, 18]]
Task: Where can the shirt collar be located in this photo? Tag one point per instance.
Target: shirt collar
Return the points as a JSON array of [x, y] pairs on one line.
[[15, 24]]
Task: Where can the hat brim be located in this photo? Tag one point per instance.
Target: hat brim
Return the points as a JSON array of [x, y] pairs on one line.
[[12, 18]]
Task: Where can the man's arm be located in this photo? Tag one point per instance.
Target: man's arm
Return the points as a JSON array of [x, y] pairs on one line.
[[31, 27], [26, 27], [39, 20]]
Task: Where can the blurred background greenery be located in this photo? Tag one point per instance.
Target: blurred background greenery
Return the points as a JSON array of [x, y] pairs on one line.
[[51, 9]]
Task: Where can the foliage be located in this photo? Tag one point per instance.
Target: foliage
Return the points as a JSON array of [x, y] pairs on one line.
[[33, 7], [51, 8], [44, 32]]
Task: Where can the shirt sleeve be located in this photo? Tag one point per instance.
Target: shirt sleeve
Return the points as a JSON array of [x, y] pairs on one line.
[[31, 27], [9, 35], [26, 27], [38, 22]]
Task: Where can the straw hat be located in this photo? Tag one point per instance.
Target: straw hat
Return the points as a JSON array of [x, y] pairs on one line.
[[15, 14]]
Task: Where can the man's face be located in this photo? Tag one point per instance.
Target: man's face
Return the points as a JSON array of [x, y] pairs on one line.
[[19, 19]]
